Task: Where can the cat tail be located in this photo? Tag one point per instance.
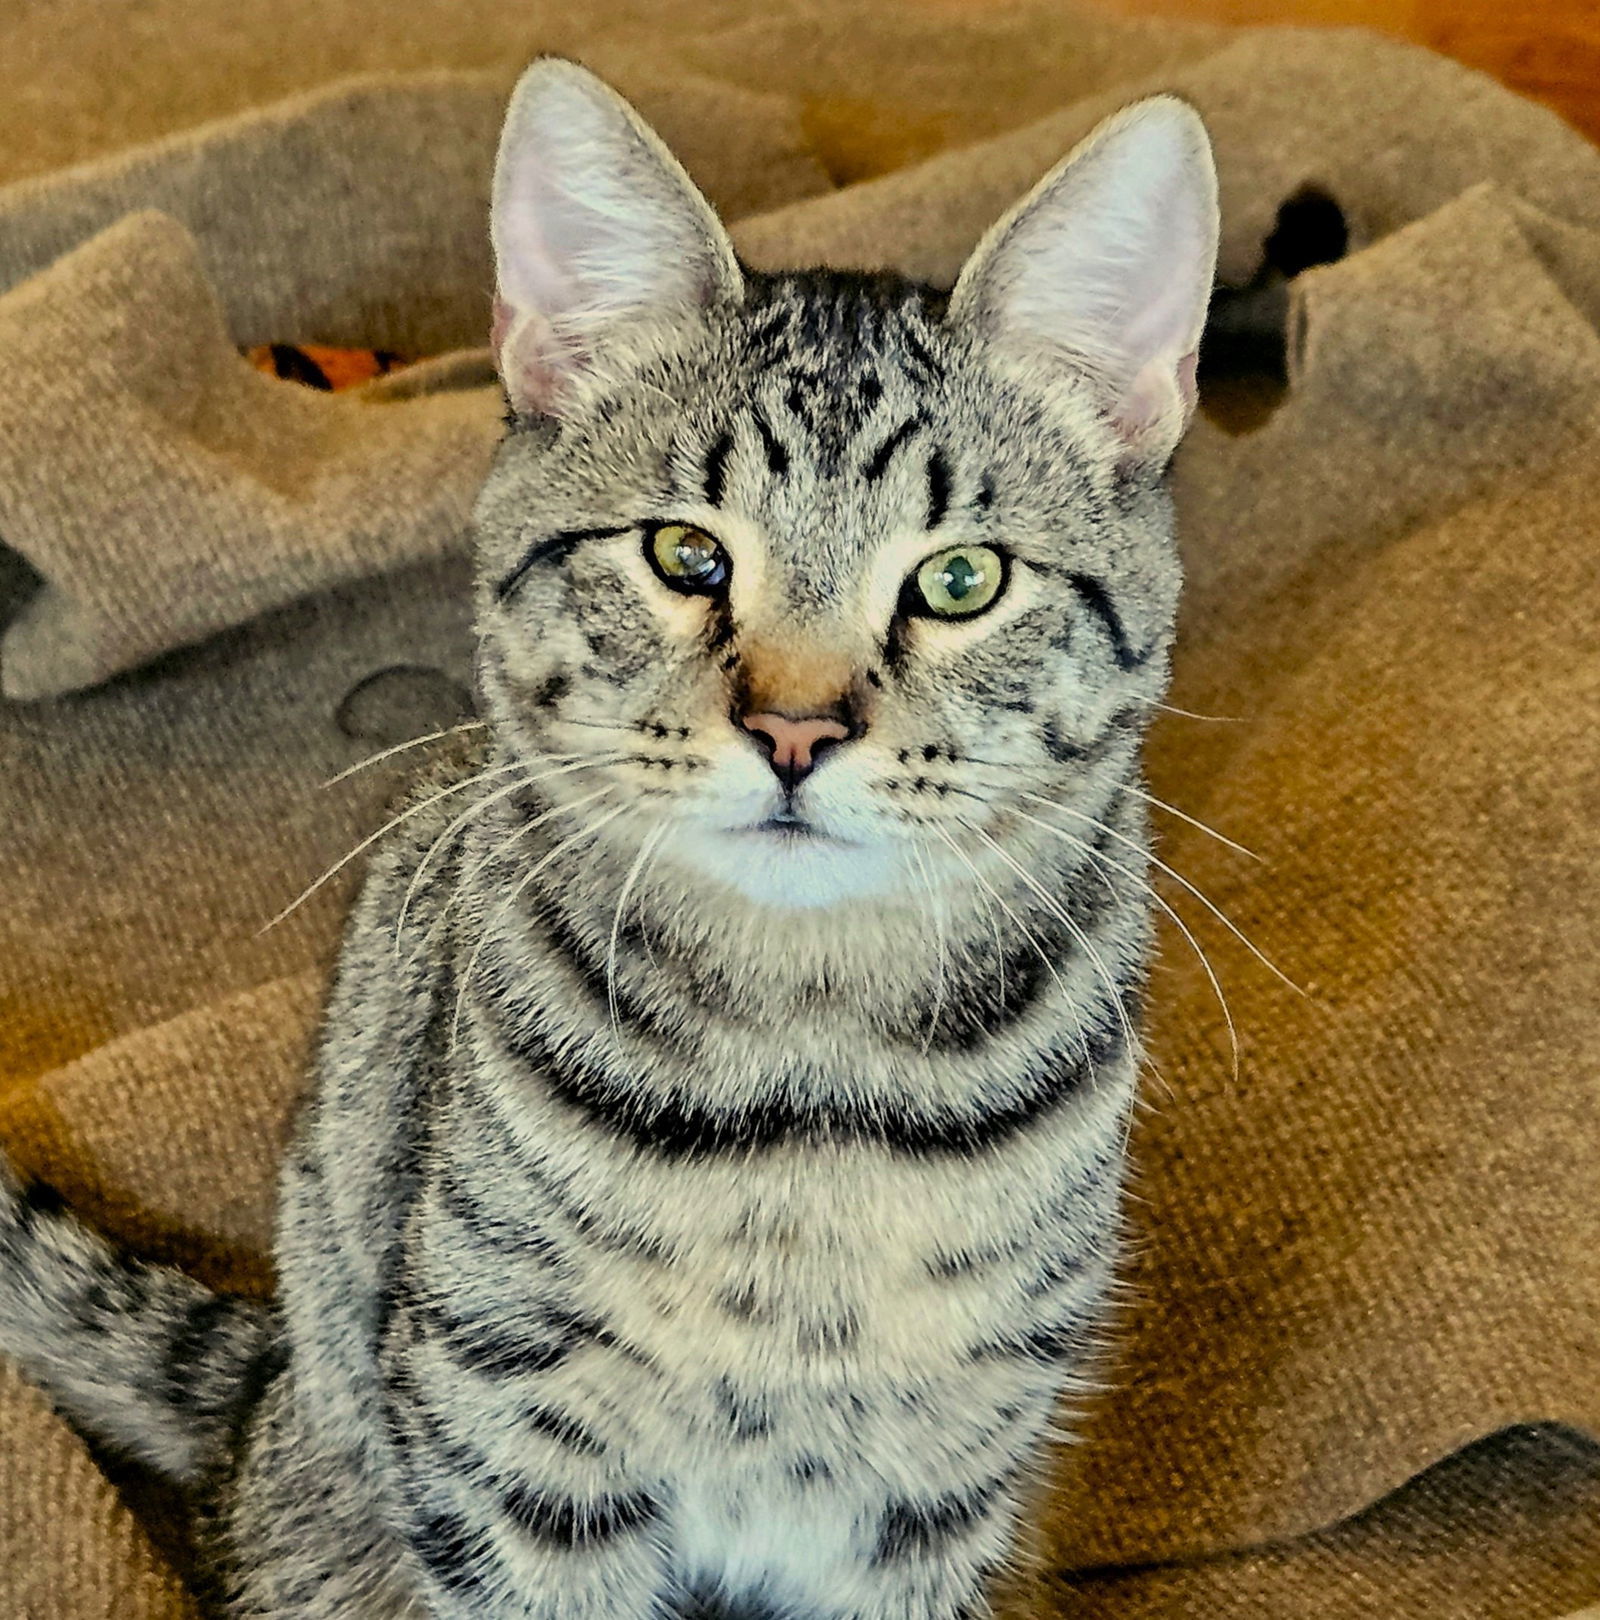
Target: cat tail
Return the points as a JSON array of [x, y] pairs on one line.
[[141, 1358]]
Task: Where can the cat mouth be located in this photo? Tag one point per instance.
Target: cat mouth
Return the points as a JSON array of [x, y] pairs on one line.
[[788, 826]]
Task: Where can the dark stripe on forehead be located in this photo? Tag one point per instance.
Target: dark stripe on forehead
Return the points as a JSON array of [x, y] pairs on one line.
[[716, 469], [920, 352], [553, 548], [777, 455], [850, 313], [938, 488], [884, 454]]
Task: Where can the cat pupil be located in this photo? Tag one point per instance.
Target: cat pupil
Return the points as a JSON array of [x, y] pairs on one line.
[[960, 578], [695, 559]]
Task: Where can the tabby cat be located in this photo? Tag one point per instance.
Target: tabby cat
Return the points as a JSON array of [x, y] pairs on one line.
[[711, 1187]]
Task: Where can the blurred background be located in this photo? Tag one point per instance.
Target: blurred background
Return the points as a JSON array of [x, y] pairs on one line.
[[78, 77], [1547, 49]]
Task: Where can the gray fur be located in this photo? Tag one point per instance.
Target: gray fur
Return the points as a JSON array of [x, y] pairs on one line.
[[688, 1217]]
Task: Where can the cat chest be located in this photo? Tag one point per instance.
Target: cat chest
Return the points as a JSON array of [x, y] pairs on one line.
[[812, 1271], [805, 1267]]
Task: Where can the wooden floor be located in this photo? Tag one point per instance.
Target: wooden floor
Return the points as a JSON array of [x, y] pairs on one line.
[[1547, 49]]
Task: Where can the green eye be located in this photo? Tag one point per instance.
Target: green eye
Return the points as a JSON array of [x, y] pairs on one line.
[[687, 559], [955, 584]]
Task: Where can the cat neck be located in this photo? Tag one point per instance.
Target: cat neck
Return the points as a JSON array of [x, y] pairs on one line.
[[606, 905]]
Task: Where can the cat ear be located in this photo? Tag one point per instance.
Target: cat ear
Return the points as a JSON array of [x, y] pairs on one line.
[[1105, 268], [594, 223]]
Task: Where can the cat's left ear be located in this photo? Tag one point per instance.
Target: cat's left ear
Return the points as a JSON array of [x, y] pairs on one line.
[[594, 224], [1105, 269]]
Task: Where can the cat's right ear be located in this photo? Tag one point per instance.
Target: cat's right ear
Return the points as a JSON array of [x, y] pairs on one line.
[[594, 224]]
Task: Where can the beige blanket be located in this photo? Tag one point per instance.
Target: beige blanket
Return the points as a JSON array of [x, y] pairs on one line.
[[1360, 1365]]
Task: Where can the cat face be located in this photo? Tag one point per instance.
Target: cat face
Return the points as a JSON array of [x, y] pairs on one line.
[[813, 578]]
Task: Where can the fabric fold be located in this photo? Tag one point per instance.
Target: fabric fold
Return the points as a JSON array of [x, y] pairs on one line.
[[165, 490], [1505, 1530], [357, 213], [1422, 369]]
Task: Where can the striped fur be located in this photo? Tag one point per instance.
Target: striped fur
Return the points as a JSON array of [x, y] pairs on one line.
[[696, 1215]]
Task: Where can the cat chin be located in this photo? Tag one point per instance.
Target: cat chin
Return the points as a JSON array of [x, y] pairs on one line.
[[787, 872]]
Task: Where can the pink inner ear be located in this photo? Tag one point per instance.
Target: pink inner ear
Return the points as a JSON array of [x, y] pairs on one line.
[[1158, 402], [532, 384], [538, 372], [1188, 380]]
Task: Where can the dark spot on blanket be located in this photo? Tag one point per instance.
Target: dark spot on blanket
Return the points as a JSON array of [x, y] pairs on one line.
[[403, 701]]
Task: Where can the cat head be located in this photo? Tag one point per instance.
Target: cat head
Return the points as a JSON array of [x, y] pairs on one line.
[[814, 578]]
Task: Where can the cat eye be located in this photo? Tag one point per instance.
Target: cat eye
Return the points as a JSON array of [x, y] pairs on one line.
[[955, 583], [687, 559]]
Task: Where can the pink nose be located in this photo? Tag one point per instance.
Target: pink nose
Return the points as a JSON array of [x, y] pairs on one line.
[[794, 744]]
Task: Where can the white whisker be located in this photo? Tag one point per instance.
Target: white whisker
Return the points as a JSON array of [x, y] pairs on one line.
[[1194, 944], [464, 883], [1183, 815], [1178, 877], [940, 941], [603, 725], [511, 899], [651, 843], [367, 842], [1026, 932], [1107, 978], [1189, 714], [400, 748], [999, 940], [583, 762]]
